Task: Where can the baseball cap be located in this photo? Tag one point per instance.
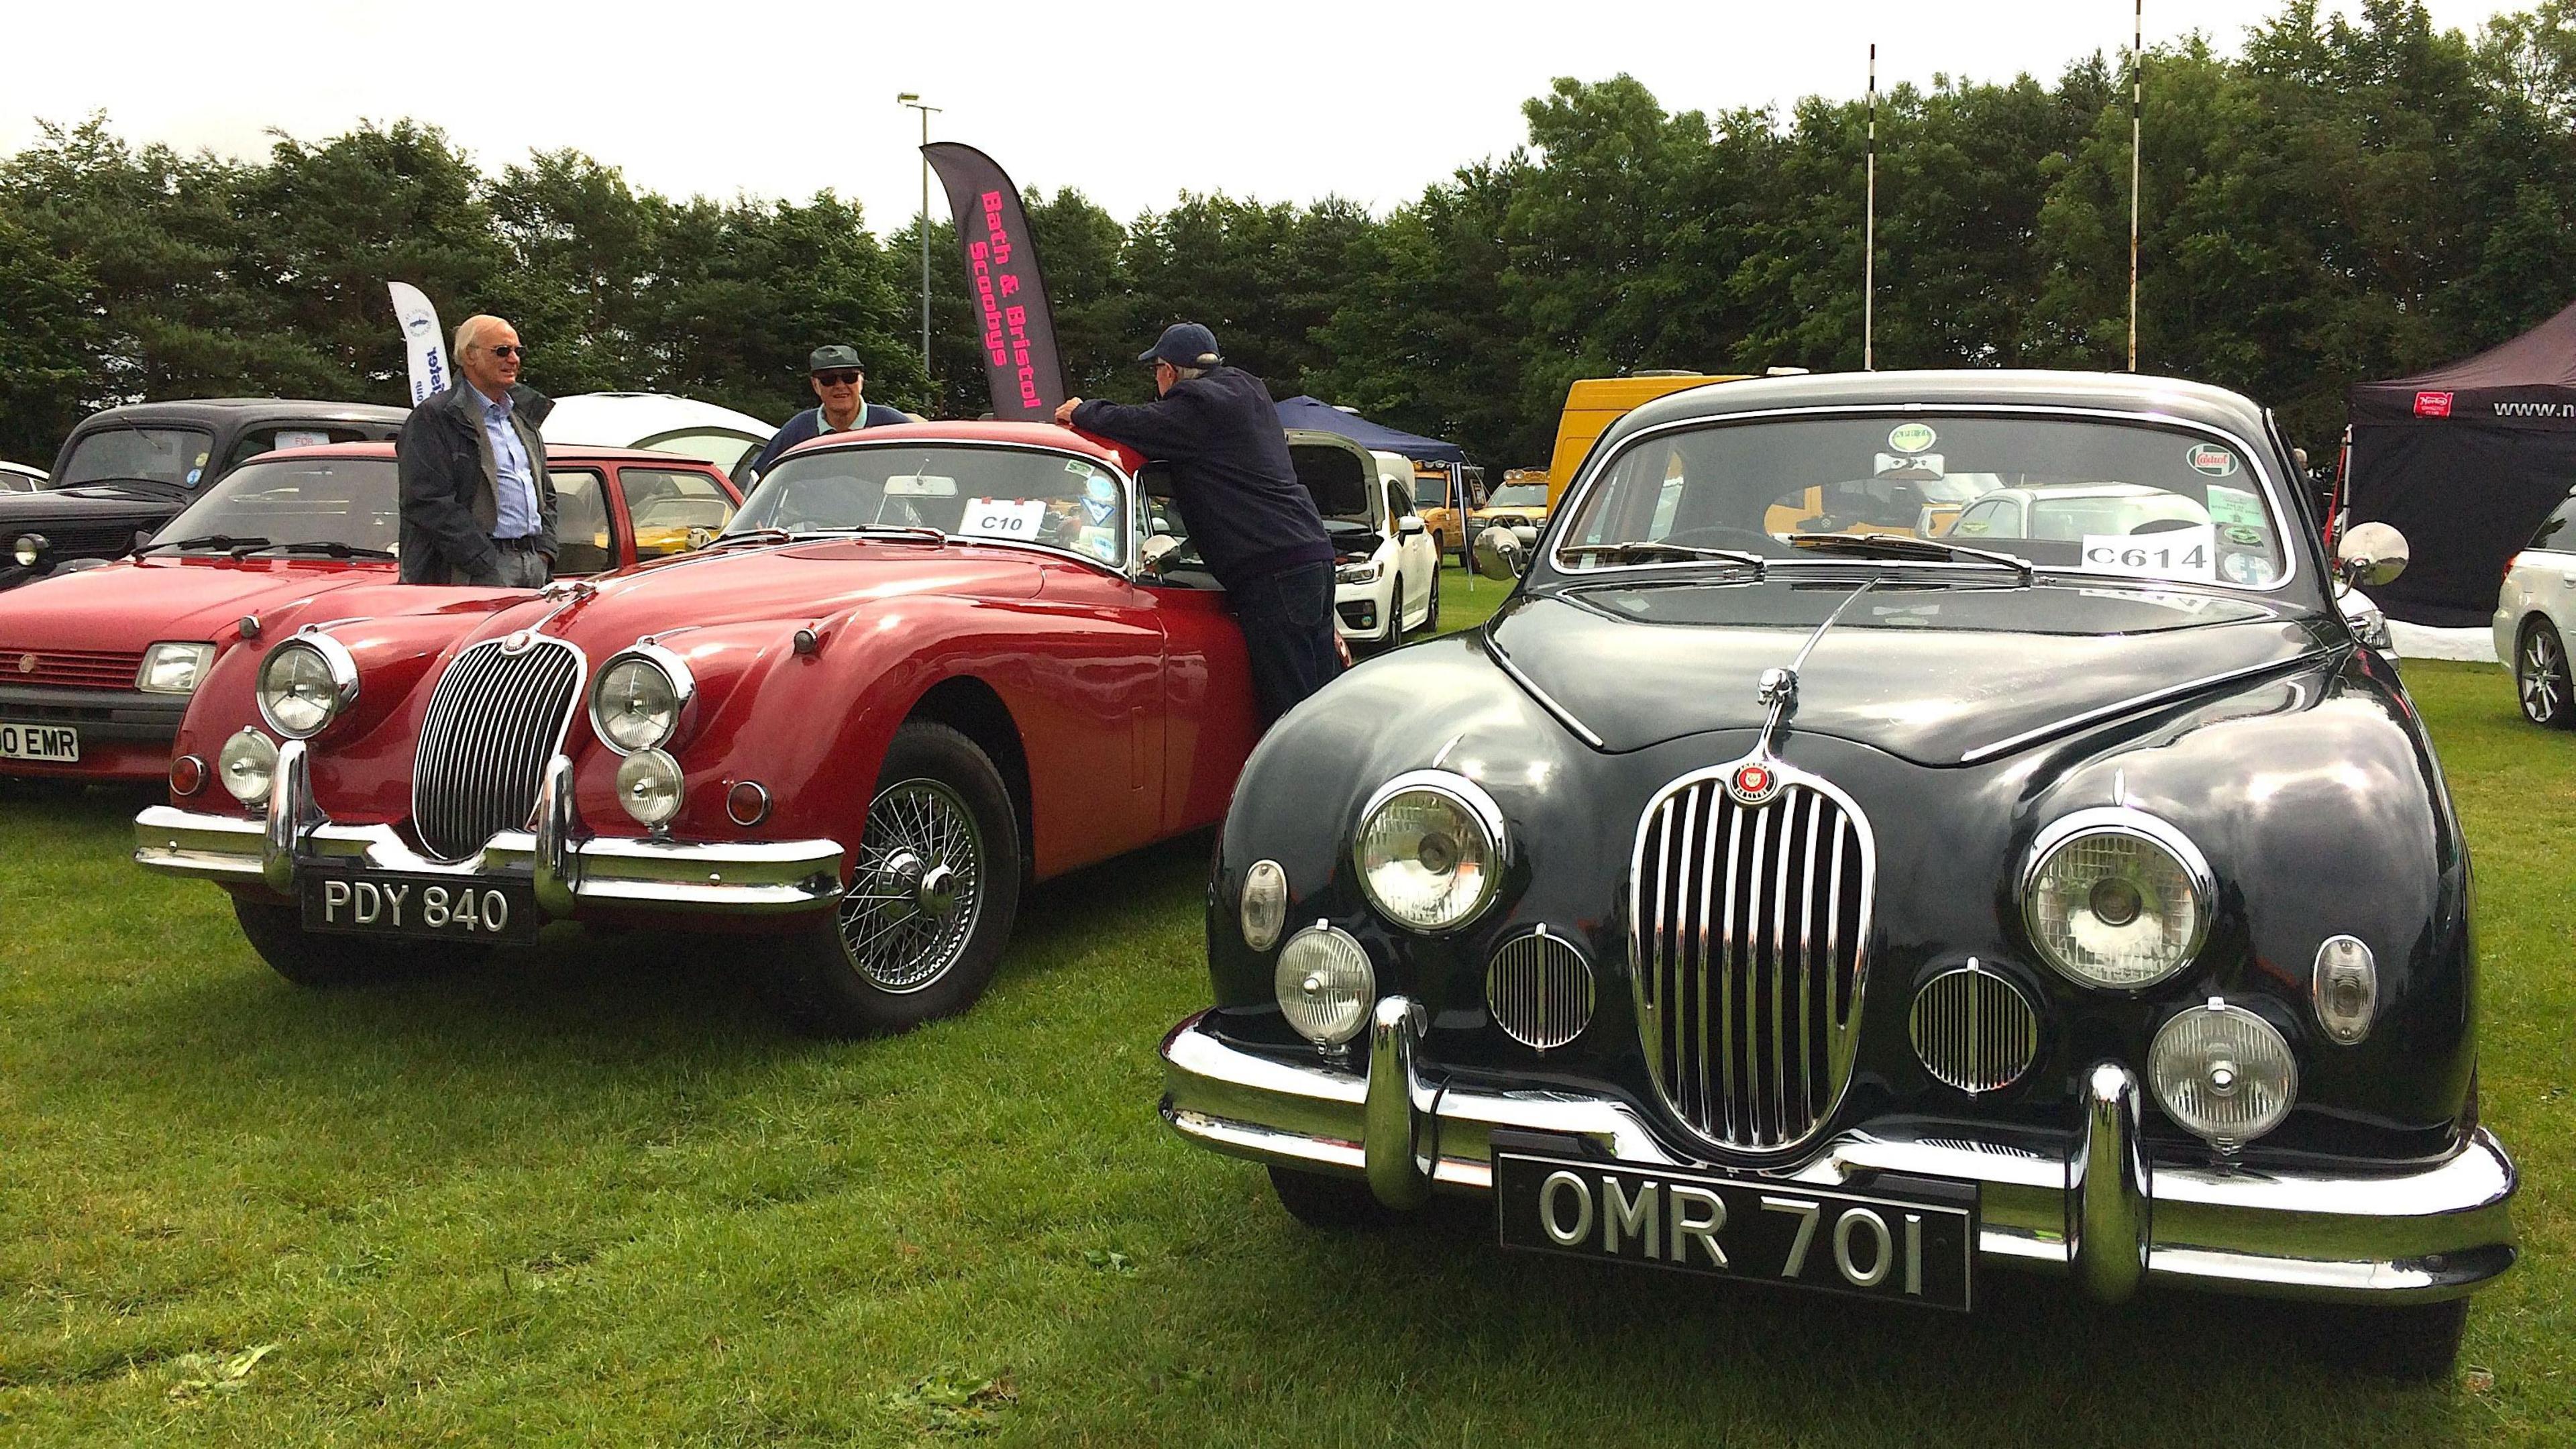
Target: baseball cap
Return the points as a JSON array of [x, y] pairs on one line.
[[827, 359], [1184, 344]]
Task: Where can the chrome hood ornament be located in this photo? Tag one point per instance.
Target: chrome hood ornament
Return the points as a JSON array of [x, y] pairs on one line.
[[1778, 688]]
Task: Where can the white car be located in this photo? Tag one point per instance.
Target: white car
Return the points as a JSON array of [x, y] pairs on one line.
[[19, 478], [2534, 613], [659, 421], [1386, 569]]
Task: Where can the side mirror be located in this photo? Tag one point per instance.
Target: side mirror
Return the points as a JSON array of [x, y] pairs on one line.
[[701, 537], [1158, 548], [2370, 554], [1499, 555], [1411, 524]]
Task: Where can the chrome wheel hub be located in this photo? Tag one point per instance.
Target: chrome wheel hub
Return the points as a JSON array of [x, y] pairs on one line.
[[917, 894]]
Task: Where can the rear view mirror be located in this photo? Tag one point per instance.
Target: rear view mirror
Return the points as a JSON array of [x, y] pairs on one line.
[[2370, 554], [1499, 554], [1410, 524]]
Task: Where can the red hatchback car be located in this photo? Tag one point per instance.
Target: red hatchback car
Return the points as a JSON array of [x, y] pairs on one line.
[[925, 665], [97, 665]]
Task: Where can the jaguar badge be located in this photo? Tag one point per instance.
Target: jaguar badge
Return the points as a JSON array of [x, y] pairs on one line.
[[1751, 784]]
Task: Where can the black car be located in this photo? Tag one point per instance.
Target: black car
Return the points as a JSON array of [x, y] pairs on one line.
[[128, 470], [1779, 888]]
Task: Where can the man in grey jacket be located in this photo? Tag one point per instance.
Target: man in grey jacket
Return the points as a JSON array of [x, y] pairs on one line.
[[477, 507]]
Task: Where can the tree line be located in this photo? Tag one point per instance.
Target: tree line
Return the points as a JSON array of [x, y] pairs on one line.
[[2341, 199]]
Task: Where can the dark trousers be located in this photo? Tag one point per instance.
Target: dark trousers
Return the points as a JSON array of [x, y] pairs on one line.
[[1287, 620]]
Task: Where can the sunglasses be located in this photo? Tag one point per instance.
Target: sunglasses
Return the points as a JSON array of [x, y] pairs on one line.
[[837, 379], [508, 350]]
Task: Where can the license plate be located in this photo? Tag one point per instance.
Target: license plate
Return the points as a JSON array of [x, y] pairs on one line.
[[52, 744], [1913, 1242], [435, 907]]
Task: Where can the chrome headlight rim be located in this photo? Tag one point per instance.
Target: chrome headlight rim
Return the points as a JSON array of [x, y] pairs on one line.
[[1478, 805], [341, 665], [675, 672], [2136, 824], [203, 652]]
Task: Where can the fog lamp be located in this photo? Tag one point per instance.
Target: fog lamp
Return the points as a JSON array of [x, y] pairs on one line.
[[1265, 904], [2224, 1073], [1430, 849], [648, 786], [1325, 985], [2347, 988], [29, 548], [2115, 897], [247, 764]]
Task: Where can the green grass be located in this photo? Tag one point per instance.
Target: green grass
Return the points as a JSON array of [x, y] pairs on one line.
[[592, 1194]]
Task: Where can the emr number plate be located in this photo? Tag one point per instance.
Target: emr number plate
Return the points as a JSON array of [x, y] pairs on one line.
[[435, 907], [1916, 1244], [52, 744]]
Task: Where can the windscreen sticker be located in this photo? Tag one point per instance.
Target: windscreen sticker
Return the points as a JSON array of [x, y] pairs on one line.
[[2249, 569], [2211, 460], [2235, 505], [1912, 437], [194, 473], [1023, 518], [1100, 543], [2176, 553], [1917, 466]]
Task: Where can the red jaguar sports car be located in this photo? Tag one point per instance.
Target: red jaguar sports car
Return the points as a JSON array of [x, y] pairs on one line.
[[97, 664], [924, 666]]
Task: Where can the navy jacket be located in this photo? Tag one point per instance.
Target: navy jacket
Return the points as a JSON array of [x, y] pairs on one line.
[[450, 502], [1231, 476], [808, 425]]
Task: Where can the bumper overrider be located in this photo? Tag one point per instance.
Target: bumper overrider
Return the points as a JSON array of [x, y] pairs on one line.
[[2102, 1212], [568, 872]]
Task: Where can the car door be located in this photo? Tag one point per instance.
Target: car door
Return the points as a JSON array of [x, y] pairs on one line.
[[582, 541], [1415, 557]]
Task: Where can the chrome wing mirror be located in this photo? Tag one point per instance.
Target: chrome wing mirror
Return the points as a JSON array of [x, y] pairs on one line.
[[2370, 554], [1158, 547], [1500, 554]]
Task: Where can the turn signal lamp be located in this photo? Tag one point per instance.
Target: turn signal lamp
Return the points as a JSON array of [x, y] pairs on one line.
[[2347, 988], [1265, 904]]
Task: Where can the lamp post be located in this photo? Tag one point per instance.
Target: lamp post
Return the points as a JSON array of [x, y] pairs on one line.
[[907, 98]]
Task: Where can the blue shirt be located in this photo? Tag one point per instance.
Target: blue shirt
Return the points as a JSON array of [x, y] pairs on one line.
[[515, 497]]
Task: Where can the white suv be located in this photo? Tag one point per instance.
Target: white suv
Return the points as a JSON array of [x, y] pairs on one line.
[[1386, 569]]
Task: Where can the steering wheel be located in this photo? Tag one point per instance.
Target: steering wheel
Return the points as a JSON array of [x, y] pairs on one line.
[[1724, 535]]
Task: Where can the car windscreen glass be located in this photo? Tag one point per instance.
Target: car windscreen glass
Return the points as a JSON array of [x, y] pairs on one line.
[[1018, 494], [1519, 495], [164, 455], [1431, 491], [2104, 497], [352, 501]]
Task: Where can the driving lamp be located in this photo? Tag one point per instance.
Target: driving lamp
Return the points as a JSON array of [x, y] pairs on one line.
[[2347, 987], [636, 703], [1265, 904], [1430, 850], [2117, 898], [1325, 985], [173, 668], [648, 786], [2224, 1073], [29, 548], [304, 683], [247, 765]]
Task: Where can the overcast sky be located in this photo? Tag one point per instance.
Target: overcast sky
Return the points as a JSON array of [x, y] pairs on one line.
[[1130, 103]]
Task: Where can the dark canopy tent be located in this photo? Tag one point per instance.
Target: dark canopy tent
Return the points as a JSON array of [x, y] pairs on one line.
[[1305, 412], [2466, 460]]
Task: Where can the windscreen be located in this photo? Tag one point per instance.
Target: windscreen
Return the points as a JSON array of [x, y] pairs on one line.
[[162, 455], [1023, 495], [1519, 495], [299, 500], [2129, 499]]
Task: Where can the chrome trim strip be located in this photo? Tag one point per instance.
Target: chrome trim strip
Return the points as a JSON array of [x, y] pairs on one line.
[[1546, 701], [2135, 704]]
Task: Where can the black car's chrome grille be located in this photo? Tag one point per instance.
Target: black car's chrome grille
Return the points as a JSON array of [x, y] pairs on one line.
[[1748, 947], [1540, 990], [498, 715]]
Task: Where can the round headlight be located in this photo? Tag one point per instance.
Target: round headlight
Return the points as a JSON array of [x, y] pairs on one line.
[[637, 702], [2115, 897], [247, 765], [2224, 1073], [1430, 850], [1325, 984], [304, 683], [648, 785], [1265, 904]]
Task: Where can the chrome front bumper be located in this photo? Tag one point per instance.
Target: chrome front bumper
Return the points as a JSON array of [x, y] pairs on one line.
[[569, 872], [2104, 1213]]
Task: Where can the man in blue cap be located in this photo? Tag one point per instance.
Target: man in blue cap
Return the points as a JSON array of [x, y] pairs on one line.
[[1238, 494], [839, 380]]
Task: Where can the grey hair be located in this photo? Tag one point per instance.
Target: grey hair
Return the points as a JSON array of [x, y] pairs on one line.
[[473, 327], [1186, 373]]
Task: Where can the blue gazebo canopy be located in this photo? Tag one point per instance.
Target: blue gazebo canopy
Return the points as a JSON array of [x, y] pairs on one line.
[[1322, 417]]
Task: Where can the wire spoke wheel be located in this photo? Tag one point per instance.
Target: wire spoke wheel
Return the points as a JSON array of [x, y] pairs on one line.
[[918, 891]]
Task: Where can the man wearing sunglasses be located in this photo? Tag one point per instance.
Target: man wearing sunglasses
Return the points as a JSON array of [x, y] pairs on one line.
[[838, 379], [477, 506]]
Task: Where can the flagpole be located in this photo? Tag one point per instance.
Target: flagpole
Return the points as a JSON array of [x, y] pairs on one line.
[[1869, 233], [2137, 100]]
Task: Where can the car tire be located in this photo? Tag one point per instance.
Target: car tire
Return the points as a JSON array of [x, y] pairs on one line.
[[321, 960], [906, 945], [1328, 1204], [2540, 677], [1394, 618], [2407, 1341], [1431, 616]]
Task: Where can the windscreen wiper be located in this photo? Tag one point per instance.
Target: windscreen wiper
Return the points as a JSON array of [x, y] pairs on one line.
[[1906, 545], [329, 548], [226, 541], [1638, 550], [752, 535]]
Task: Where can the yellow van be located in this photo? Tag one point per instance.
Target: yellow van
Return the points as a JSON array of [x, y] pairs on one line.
[[1592, 404]]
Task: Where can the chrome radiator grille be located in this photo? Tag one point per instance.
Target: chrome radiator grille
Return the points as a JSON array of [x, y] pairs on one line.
[[1748, 940], [498, 715]]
